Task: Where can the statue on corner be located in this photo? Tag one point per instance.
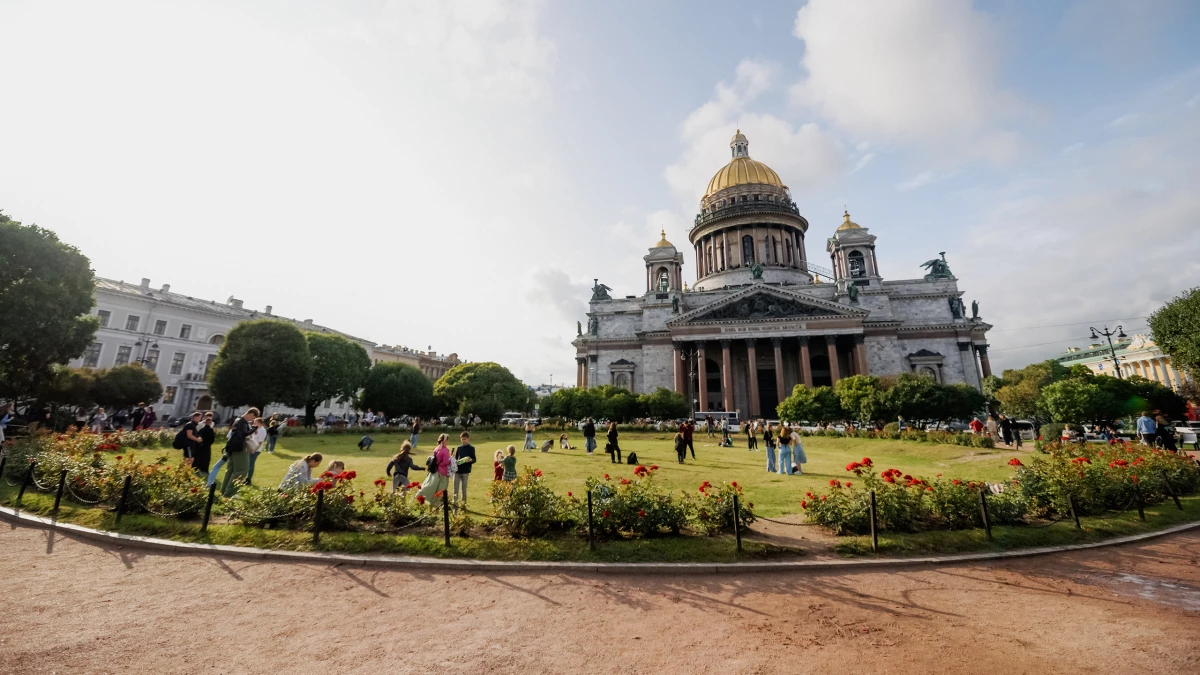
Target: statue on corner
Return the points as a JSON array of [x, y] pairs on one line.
[[593, 326], [600, 291], [852, 291], [675, 304], [938, 268], [578, 328], [756, 271], [975, 310]]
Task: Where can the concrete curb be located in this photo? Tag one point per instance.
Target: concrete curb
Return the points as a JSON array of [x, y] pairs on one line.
[[460, 565]]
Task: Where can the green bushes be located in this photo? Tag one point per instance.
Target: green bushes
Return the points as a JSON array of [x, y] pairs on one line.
[[527, 507]]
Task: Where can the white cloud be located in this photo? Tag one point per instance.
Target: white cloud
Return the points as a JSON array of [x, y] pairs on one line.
[[862, 162], [920, 72], [927, 177]]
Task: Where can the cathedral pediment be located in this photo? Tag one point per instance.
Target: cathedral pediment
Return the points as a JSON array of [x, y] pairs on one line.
[[761, 302]]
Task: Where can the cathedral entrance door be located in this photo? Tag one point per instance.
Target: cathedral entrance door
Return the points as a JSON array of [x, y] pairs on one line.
[[768, 397]]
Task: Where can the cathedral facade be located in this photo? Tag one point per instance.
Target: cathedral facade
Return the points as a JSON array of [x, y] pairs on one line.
[[760, 318]]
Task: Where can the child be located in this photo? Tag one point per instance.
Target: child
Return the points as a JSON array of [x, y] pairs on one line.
[[365, 443], [335, 467], [510, 464], [680, 446], [498, 465], [400, 465], [564, 444]]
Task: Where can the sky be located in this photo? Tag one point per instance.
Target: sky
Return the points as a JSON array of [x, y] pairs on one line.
[[455, 174]]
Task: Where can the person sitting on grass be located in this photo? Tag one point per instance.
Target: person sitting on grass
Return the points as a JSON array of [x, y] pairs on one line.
[[299, 474], [510, 464], [399, 467], [564, 443], [365, 442], [498, 465]]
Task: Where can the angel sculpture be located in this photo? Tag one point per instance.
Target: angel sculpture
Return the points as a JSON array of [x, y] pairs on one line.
[[938, 268], [600, 291]]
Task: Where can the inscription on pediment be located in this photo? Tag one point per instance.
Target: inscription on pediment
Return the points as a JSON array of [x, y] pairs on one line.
[[763, 306]]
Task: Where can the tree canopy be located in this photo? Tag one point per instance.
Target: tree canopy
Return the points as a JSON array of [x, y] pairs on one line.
[[262, 362], [125, 386], [339, 368], [396, 389], [614, 403], [815, 404], [1048, 391], [46, 291], [1176, 330], [485, 389]]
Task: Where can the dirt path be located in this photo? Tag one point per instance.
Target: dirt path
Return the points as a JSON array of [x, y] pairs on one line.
[[73, 607]]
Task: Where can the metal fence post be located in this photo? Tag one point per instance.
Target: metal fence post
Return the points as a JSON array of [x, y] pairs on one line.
[[737, 525], [874, 529], [1170, 489], [317, 518], [4, 460], [987, 521], [212, 494], [1137, 491], [446, 515], [1074, 511], [25, 481], [591, 530], [124, 497], [62, 483]]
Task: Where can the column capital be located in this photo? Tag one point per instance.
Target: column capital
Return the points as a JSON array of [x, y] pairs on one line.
[[982, 349], [777, 342], [726, 344], [803, 340], [859, 338], [751, 342], [964, 346], [593, 357]]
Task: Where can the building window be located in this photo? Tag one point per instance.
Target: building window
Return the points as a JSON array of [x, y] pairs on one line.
[[104, 315], [185, 332], [169, 394], [747, 250], [160, 327], [152, 359], [131, 322], [216, 339], [788, 251], [177, 363], [767, 250], [91, 357], [123, 354]]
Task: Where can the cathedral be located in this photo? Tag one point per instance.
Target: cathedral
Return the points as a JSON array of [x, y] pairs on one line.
[[760, 318]]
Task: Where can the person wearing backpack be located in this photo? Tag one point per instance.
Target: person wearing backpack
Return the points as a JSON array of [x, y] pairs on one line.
[[435, 486], [203, 456], [235, 452], [187, 439]]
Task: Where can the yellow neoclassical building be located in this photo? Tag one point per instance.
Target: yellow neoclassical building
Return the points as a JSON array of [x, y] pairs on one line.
[[1137, 355]]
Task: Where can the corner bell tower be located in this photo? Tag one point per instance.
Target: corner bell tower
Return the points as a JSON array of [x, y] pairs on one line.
[[664, 267], [852, 252]]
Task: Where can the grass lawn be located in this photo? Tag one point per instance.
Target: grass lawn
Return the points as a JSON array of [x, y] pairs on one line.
[[566, 470]]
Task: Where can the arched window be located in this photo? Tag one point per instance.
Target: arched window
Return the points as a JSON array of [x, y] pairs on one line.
[[216, 339], [787, 249], [858, 267], [766, 250], [721, 256], [664, 280], [708, 259], [747, 250]]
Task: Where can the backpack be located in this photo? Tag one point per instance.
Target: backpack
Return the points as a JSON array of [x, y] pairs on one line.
[[431, 463], [181, 440], [631, 459]]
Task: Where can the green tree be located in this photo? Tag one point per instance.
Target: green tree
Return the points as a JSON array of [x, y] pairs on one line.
[[70, 387], [1020, 392], [397, 389], [962, 401], [915, 397], [262, 362], [664, 404], [339, 368], [816, 404], [125, 386], [1075, 401], [1136, 394], [1176, 330], [624, 406], [860, 397], [485, 389], [45, 295]]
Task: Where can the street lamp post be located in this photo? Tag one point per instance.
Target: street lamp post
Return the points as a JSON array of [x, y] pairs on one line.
[[687, 354], [1113, 352], [144, 342]]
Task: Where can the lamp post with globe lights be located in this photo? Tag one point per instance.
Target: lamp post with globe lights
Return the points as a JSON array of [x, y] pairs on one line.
[[1111, 350]]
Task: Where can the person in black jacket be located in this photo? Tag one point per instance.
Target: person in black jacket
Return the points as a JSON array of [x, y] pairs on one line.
[[464, 455], [203, 451], [613, 448], [399, 467], [589, 435], [680, 446]]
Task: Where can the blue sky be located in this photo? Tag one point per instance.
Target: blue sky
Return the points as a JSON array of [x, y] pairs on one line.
[[454, 174]]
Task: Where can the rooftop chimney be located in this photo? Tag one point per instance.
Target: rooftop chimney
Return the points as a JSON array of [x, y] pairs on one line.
[[268, 309], [145, 283], [166, 288], [308, 322]]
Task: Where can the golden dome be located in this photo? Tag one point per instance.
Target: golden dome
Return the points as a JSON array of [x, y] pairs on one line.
[[742, 170], [663, 243], [849, 224]]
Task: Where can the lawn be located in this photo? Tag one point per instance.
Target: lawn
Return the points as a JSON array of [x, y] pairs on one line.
[[567, 470]]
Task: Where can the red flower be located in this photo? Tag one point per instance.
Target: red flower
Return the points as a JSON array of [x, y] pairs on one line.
[[641, 513], [910, 478], [654, 467], [640, 471], [349, 499], [605, 476], [350, 475], [118, 457], [1015, 462], [866, 461], [327, 474], [733, 483], [852, 466], [808, 494], [1133, 478], [414, 484], [420, 499], [1081, 460], [847, 483], [538, 473], [195, 490], [569, 494], [624, 481], [956, 482], [823, 497], [803, 504], [888, 479], [833, 483], [380, 482], [929, 489], [604, 515]]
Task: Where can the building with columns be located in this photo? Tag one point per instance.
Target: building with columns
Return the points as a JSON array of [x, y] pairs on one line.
[[760, 318], [1138, 356]]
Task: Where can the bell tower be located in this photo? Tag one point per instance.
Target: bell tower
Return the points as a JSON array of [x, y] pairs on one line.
[[664, 268], [852, 252]]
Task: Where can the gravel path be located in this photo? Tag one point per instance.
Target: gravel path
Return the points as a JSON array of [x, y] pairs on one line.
[[75, 607]]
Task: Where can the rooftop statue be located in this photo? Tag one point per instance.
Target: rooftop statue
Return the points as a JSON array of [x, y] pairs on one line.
[[578, 328], [600, 291], [852, 291], [756, 271], [974, 309], [938, 269]]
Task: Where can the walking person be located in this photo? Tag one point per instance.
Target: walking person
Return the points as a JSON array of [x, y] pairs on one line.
[[5, 416], [769, 444], [254, 446], [1166, 433], [614, 448], [798, 455], [1006, 430], [1147, 430], [751, 436], [464, 456], [416, 432], [993, 429], [272, 434], [435, 486], [150, 417], [708, 424], [689, 433], [235, 452], [680, 446], [137, 415], [398, 468], [203, 452], [589, 436], [299, 474], [785, 450], [530, 446]]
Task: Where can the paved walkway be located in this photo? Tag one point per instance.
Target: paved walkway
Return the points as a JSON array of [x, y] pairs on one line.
[[75, 607]]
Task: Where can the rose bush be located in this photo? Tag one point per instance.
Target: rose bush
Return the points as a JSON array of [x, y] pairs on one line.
[[635, 506], [527, 507]]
